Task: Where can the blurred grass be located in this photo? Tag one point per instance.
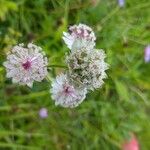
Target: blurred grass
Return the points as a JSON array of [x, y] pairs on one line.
[[109, 114]]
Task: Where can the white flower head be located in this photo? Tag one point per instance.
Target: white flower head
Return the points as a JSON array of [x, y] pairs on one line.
[[87, 68], [26, 64], [65, 94], [80, 31]]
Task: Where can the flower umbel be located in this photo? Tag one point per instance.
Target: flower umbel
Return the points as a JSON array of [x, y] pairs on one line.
[[80, 31], [87, 67], [65, 94], [26, 65]]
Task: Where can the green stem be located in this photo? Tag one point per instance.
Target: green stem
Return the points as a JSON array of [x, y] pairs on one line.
[[11, 145], [20, 133], [8, 108], [57, 66]]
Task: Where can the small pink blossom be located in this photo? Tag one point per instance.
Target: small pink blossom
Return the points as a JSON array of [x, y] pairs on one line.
[[132, 144]]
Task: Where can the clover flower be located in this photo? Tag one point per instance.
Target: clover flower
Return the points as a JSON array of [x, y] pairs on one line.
[[65, 94], [26, 65], [86, 67], [80, 31]]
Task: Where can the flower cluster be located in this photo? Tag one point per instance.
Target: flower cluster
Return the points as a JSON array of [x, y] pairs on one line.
[[86, 67], [80, 31], [65, 94], [26, 64]]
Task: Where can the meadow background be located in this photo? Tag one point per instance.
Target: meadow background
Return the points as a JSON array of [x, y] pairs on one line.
[[109, 115]]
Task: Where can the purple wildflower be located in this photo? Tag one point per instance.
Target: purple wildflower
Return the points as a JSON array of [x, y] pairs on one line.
[[43, 113], [121, 3], [147, 54]]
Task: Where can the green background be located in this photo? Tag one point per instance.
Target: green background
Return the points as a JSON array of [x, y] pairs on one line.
[[108, 115]]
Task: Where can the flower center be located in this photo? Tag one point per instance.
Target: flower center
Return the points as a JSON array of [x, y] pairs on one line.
[[26, 65], [68, 90]]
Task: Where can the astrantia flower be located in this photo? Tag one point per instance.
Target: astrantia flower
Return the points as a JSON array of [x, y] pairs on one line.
[[147, 54], [87, 67], [43, 113], [65, 94], [26, 65], [80, 31]]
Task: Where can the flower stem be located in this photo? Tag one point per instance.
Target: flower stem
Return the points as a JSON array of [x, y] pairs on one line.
[[57, 66]]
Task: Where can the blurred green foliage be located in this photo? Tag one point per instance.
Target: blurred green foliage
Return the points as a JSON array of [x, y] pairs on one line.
[[108, 115]]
